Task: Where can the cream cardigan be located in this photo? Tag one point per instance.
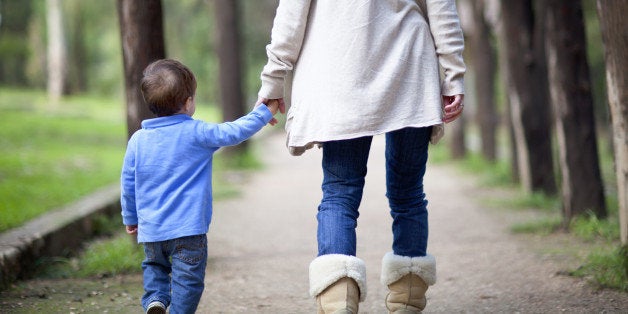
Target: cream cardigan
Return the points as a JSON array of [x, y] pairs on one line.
[[359, 68]]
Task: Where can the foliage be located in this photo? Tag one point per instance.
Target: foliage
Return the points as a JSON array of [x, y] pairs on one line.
[[108, 256], [607, 268], [111, 257], [590, 228], [543, 226]]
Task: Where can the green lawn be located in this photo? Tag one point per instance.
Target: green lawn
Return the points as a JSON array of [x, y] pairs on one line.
[[52, 156]]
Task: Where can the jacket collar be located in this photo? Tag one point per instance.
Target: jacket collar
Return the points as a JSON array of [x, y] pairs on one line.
[[164, 121]]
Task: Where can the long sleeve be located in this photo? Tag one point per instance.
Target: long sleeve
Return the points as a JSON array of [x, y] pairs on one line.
[[233, 133], [449, 41], [286, 41], [127, 186]]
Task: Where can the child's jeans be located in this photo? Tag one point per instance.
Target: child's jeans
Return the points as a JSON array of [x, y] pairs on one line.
[[174, 273], [344, 170]]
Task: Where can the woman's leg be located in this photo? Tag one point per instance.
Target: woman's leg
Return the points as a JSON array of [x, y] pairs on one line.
[[406, 158], [344, 169], [408, 270]]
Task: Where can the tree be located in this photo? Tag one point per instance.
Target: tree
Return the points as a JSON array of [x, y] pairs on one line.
[[230, 64], [57, 52], [78, 50], [613, 25], [457, 143], [570, 89], [142, 33], [527, 93], [483, 59], [14, 50]]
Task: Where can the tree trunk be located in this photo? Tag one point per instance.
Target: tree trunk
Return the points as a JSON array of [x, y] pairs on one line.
[[483, 58], [527, 93], [141, 28], [613, 24], [77, 69], [457, 145], [495, 19], [57, 54], [230, 64], [570, 88]]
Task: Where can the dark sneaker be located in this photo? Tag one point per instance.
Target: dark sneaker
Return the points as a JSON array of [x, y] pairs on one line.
[[156, 307]]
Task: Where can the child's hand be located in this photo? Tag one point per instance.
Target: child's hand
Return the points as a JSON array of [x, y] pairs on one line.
[[131, 229], [273, 105]]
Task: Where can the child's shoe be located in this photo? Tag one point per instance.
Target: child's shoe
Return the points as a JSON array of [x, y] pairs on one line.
[[156, 307]]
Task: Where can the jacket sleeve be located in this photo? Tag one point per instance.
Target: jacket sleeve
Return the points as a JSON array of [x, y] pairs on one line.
[[449, 41], [233, 133], [285, 45], [127, 186]]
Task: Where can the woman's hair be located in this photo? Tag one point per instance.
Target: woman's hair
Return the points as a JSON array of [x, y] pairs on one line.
[[166, 86]]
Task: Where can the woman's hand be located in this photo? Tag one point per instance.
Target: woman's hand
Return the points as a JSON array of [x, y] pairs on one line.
[[453, 106]]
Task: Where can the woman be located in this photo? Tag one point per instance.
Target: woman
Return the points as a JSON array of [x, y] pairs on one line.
[[355, 69]]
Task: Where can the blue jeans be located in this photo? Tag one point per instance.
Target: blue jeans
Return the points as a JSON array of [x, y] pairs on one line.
[[174, 273], [344, 170]]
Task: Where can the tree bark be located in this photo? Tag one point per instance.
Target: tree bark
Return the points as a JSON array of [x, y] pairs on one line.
[[483, 59], [527, 93], [613, 24], [457, 146], [57, 51], [141, 28], [570, 88], [230, 62]]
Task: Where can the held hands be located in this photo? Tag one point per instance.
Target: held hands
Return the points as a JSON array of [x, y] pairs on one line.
[[453, 106], [273, 105]]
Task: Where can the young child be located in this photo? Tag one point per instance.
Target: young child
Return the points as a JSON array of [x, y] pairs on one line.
[[166, 185]]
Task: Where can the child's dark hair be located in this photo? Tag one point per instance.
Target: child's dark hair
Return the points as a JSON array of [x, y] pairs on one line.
[[166, 86]]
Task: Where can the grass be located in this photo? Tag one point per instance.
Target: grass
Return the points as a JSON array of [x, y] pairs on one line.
[[607, 268], [52, 156]]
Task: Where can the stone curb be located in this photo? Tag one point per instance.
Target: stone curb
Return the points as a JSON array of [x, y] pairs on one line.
[[56, 233]]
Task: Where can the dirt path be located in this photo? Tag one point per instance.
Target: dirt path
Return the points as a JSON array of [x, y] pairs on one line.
[[261, 245]]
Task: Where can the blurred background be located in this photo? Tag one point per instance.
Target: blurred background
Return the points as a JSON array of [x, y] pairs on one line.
[[537, 115]]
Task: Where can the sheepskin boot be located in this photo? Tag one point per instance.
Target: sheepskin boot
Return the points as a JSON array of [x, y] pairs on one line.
[[407, 279], [338, 282]]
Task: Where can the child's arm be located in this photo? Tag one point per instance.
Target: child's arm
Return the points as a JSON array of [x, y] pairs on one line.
[[233, 133], [127, 187]]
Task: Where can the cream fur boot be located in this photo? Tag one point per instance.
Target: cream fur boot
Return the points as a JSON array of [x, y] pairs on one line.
[[407, 279], [338, 282]]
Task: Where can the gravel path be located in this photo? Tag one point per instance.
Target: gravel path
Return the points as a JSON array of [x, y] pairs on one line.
[[260, 246]]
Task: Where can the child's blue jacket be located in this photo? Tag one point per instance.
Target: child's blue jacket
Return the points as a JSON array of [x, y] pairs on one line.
[[166, 180]]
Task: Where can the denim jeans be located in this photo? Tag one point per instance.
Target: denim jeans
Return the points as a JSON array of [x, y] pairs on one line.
[[344, 170], [174, 273]]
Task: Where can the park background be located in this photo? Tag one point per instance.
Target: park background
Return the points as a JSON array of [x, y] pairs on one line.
[[68, 104]]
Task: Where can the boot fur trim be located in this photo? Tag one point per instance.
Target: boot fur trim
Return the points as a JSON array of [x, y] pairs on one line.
[[396, 266], [327, 269]]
